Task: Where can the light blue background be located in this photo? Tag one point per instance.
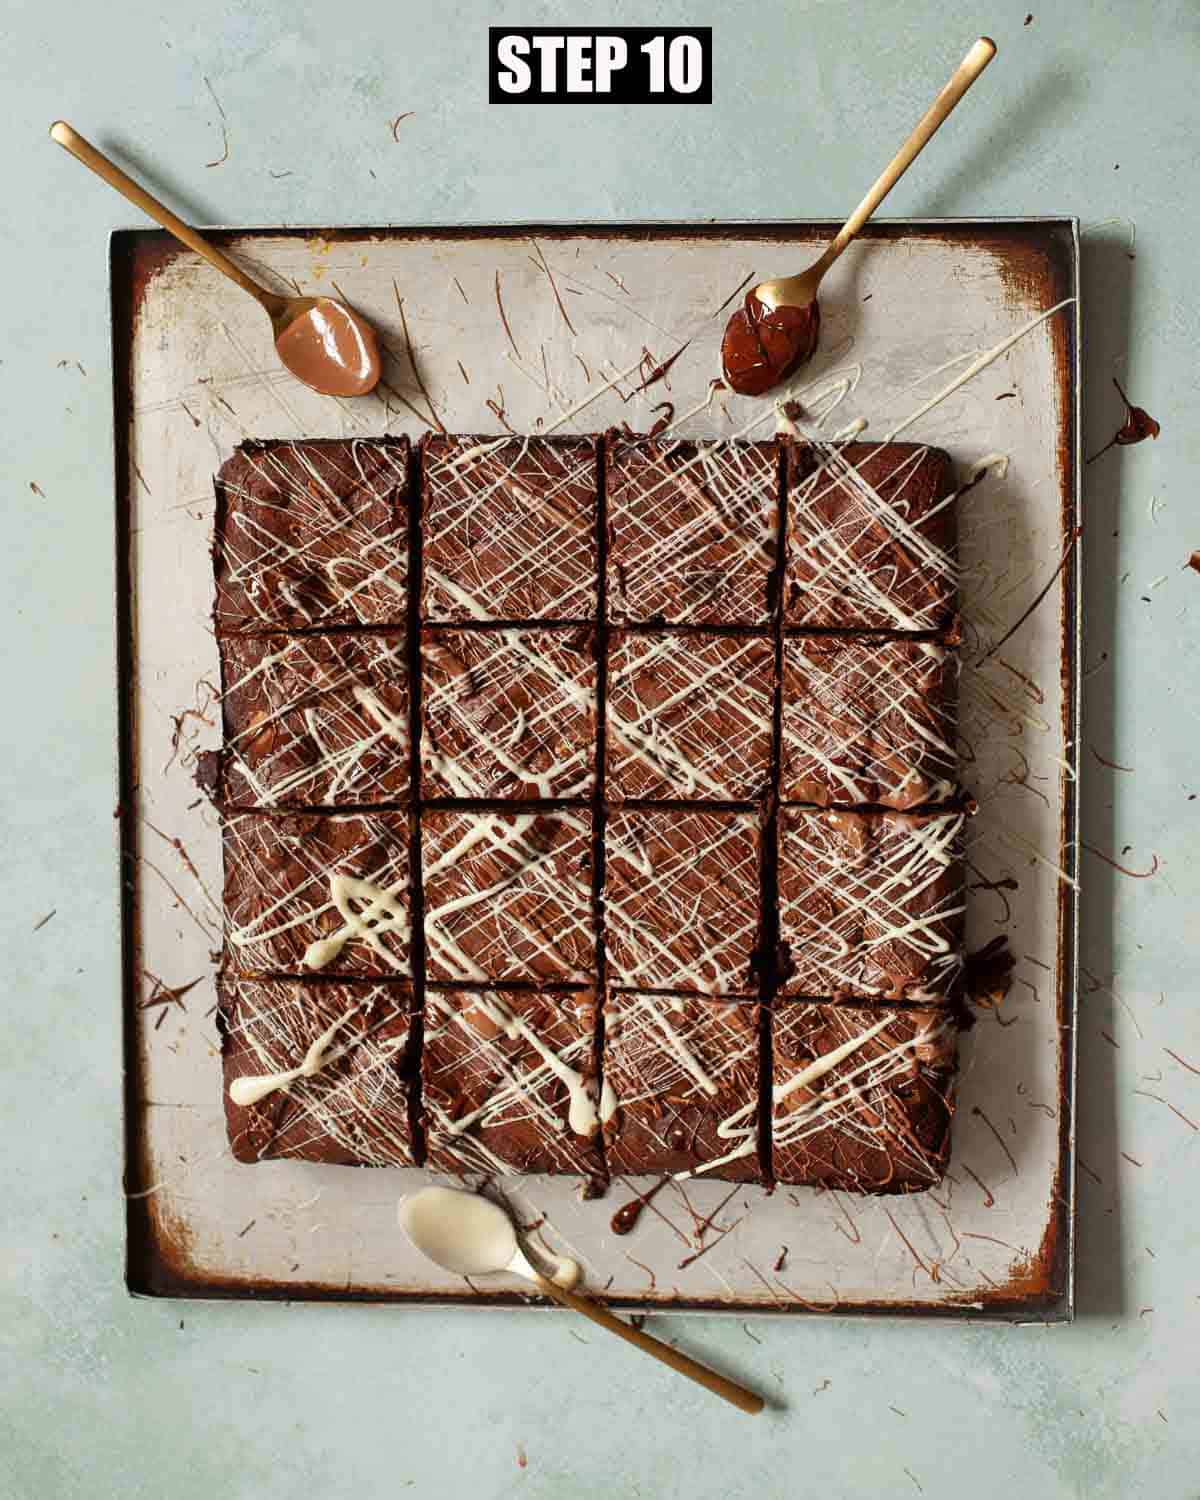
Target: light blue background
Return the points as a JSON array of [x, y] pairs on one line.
[[1090, 110]]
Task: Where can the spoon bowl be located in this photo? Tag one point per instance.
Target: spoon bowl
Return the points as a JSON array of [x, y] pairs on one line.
[[321, 340]]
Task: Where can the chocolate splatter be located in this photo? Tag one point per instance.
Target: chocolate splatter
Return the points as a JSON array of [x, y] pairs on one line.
[[660, 371], [1136, 428], [626, 1217], [1041, 594], [1192, 562], [37, 489], [988, 973]]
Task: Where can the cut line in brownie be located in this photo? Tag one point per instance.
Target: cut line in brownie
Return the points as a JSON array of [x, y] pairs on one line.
[[315, 1071], [692, 531], [868, 720], [871, 903], [317, 893], [508, 1081], [311, 534], [509, 528], [315, 720], [681, 899], [508, 713], [689, 717], [508, 895], [681, 1085], [871, 538], [862, 1097]]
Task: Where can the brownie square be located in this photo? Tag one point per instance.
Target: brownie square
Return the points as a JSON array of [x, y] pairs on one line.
[[508, 895], [681, 899], [317, 892], [871, 537], [681, 1085], [868, 720], [508, 1081], [871, 903], [692, 531], [510, 528], [315, 720], [311, 534], [862, 1097], [508, 713], [340, 1057], [689, 716]]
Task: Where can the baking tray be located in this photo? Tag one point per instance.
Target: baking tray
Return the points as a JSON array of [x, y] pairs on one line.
[[551, 327]]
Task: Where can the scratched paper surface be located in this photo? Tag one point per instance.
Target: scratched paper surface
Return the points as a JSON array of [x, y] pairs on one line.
[[585, 318]]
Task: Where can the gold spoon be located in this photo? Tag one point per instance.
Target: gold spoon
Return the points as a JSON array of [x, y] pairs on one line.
[[776, 330], [472, 1236], [322, 342]]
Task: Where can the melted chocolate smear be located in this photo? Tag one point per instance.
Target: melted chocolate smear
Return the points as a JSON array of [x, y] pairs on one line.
[[763, 345], [989, 973], [1136, 428], [626, 1217]]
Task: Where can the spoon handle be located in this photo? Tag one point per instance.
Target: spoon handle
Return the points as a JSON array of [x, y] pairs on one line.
[[728, 1390], [961, 80], [83, 150]]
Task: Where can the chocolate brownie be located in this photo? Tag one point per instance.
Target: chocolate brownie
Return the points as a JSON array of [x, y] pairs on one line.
[[862, 1097], [510, 528], [871, 903], [871, 537], [317, 892], [691, 531], [311, 534], [868, 720], [316, 1071], [508, 895], [689, 716], [508, 1081], [315, 720], [681, 899], [681, 1085], [508, 713]]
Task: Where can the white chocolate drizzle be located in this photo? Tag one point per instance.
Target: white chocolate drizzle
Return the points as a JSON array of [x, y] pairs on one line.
[[692, 532], [690, 716], [852, 918], [688, 916], [250, 1089], [523, 908]]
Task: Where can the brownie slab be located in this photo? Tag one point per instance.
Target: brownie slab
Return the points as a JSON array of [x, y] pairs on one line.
[[681, 899], [508, 713], [317, 893], [691, 531], [509, 528], [862, 1098], [508, 1081], [689, 716], [508, 895], [871, 538], [681, 1085], [868, 720], [315, 720], [871, 903], [312, 534], [317, 1072]]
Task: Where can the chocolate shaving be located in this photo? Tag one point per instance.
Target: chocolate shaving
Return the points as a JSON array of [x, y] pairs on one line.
[[1111, 764], [554, 287], [407, 115], [412, 359], [1041, 594], [37, 926], [1193, 562], [504, 318], [1124, 869], [660, 371], [224, 156]]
